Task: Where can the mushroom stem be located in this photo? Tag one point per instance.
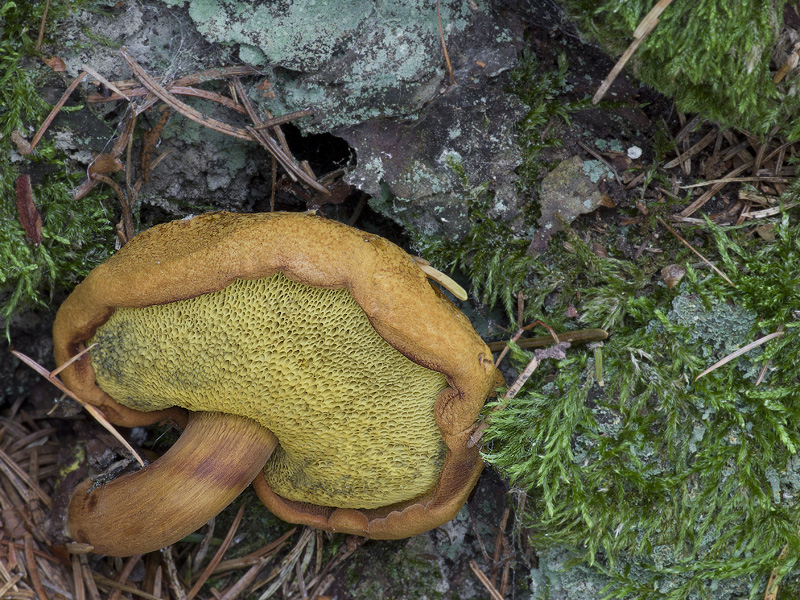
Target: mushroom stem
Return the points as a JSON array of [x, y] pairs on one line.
[[215, 459]]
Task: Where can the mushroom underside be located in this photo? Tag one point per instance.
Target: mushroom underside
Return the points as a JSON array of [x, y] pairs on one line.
[[355, 418], [213, 461]]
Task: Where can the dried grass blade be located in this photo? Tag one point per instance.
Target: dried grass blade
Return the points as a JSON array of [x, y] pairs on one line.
[[88, 579], [739, 352], [280, 120], [124, 574], [288, 563], [96, 413], [697, 204], [10, 584], [6, 461], [218, 556], [178, 90], [237, 588], [77, 579], [33, 570], [495, 595], [692, 248], [105, 81], [122, 587], [287, 163], [445, 281], [56, 108], [181, 107], [694, 150]]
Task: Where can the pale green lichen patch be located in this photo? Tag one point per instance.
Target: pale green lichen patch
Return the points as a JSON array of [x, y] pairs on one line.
[[351, 61]]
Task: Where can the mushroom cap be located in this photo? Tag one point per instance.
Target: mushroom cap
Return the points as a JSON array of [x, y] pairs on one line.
[[198, 257]]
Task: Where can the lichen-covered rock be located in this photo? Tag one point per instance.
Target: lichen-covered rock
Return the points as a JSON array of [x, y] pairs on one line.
[[350, 61], [375, 75]]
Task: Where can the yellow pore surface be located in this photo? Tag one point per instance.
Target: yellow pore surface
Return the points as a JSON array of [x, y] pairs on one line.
[[354, 417]]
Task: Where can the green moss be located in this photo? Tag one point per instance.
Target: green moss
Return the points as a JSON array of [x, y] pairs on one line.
[[76, 235], [660, 486], [671, 487], [542, 91], [712, 56]]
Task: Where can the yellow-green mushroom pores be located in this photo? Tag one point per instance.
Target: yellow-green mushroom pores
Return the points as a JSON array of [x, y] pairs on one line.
[[309, 358]]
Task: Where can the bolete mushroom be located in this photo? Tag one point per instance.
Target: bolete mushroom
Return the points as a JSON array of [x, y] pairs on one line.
[[307, 357]]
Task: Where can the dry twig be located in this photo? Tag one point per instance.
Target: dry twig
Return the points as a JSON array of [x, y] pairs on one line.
[[640, 33]]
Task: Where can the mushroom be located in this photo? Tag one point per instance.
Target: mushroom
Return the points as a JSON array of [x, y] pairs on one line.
[[309, 358]]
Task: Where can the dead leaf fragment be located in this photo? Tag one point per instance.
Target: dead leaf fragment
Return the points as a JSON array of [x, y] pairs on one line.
[[55, 63], [567, 192], [22, 144], [29, 216], [766, 232], [105, 163], [672, 275]]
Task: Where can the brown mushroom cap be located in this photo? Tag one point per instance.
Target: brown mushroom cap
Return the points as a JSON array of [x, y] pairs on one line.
[[193, 262]]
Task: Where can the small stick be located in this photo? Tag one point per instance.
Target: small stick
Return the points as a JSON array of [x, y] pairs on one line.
[[579, 336], [172, 574], [771, 592], [280, 120], [92, 410], [644, 28], [444, 46], [556, 351], [105, 81], [41, 27], [692, 248], [495, 595], [498, 543], [33, 570], [218, 556], [56, 109], [697, 204], [518, 334]]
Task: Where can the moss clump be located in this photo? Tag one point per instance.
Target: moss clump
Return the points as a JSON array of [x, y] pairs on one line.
[[712, 56], [76, 235], [674, 488]]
